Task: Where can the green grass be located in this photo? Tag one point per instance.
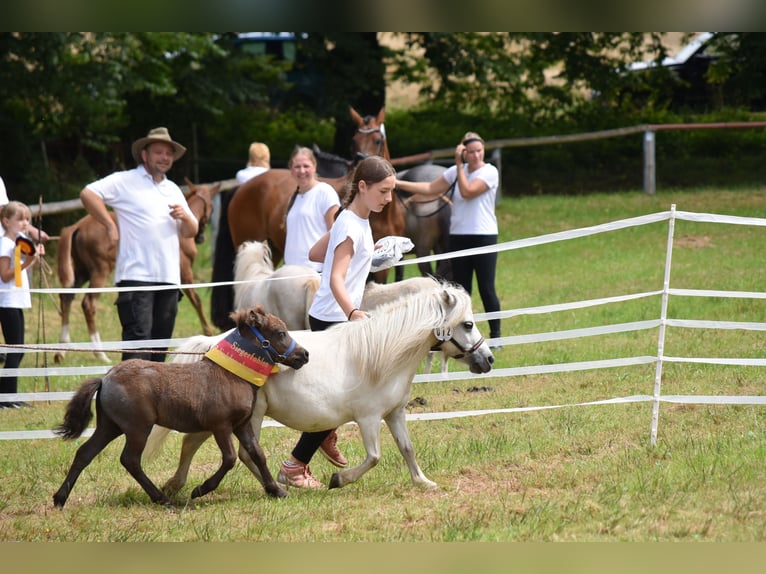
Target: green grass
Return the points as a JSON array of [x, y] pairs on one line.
[[566, 474]]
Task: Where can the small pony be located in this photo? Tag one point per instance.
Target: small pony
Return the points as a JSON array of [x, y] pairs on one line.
[[360, 371], [189, 397]]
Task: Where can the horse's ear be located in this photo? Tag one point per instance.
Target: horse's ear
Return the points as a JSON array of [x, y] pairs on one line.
[[358, 120], [449, 298]]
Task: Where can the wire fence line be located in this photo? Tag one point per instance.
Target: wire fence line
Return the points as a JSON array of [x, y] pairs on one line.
[[659, 324]]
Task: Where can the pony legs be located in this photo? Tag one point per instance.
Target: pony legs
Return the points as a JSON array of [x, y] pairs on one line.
[[228, 460], [397, 424], [249, 442], [189, 446], [102, 436], [131, 460], [370, 431]]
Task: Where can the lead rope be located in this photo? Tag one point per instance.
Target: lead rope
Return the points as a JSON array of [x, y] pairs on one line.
[[41, 310]]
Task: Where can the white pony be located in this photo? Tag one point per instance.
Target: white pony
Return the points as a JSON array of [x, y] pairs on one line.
[[358, 371], [286, 292]]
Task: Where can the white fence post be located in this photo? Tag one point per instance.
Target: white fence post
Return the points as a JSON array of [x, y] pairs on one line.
[[663, 320], [650, 170]]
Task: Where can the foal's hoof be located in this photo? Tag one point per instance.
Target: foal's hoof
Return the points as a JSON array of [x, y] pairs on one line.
[[277, 492]]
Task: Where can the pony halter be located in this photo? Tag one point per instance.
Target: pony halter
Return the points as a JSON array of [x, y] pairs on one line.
[[266, 345], [445, 334]]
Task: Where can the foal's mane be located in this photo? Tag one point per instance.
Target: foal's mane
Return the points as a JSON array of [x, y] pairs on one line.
[[401, 332]]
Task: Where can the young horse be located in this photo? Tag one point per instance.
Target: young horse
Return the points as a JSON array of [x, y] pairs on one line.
[[256, 212], [286, 292], [85, 255], [360, 371], [190, 397]]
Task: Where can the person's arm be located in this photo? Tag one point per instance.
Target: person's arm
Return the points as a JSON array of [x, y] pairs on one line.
[[96, 207], [424, 188], [7, 272], [319, 249]]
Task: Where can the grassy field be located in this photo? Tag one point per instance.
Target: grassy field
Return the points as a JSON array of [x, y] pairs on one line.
[[576, 473]]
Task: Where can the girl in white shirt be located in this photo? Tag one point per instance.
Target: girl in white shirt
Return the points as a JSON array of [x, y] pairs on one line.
[[14, 299], [347, 248]]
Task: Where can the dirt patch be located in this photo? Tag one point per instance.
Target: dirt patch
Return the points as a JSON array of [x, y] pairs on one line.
[[693, 241]]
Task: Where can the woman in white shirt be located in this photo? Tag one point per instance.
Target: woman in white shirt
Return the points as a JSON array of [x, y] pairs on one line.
[[311, 210], [473, 222]]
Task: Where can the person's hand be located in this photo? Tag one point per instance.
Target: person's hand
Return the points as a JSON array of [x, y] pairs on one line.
[[459, 151], [177, 211]]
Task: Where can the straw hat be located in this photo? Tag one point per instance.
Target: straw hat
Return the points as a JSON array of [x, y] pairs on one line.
[[157, 135]]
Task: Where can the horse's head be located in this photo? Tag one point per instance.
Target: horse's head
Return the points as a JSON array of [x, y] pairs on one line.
[[370, 137], [270, 332], [459, 337], [200, 200]]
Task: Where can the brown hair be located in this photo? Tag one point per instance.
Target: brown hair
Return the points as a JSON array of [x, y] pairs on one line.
[[298, 150], [13, 208], [372, 169]]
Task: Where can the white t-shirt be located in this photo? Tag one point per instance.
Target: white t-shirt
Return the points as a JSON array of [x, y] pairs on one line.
[[148, 249], [306, 223], [348, 224], [475, 216], [3, 201], [10, 295], [249, 172]]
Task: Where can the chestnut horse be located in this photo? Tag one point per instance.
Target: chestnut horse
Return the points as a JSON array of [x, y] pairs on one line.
[[256, 212], [189, 397], [85, 255]]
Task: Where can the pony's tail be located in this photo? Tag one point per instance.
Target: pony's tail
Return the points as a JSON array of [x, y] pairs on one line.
[[65, 266], [78, 413]]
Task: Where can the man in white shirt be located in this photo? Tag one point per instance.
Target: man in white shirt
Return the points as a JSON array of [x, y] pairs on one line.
[[152, 214]]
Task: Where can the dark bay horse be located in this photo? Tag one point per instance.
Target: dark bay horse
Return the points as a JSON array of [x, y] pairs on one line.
[[200, 396], [85, 255], [256, 210], [427, 222]]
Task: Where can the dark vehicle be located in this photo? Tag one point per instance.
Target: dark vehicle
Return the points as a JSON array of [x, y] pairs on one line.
[[689, 80], [304, 85]]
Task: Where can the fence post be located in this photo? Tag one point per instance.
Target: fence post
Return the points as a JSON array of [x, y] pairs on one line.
[[649, 163], [663, 321]]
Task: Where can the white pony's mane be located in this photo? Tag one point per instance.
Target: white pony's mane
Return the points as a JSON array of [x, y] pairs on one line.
[[253, 261], [402, 329]]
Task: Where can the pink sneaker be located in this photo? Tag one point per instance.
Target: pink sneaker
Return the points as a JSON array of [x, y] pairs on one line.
[[298, 476], [330, 451]]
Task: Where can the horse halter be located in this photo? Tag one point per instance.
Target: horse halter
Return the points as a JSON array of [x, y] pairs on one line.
[[266, 345], [381, 130], [444, 334]]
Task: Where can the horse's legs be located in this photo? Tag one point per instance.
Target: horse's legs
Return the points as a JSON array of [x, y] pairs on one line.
[[89, 310], [256, 420], [197, 304], [249, 442], [397, 424], [65, 300], [135, 441], [106, 431], [228, 460], [370, 431], [190, 445]]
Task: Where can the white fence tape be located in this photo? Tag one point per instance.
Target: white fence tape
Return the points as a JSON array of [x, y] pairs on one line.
[[661, 322]]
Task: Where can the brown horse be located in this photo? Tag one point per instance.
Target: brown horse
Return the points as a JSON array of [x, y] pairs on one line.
[[256, 212], [189, 397], [85, 255]]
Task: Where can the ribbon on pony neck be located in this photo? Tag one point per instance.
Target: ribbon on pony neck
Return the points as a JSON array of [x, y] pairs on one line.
[[246, 359], [24, 246]]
